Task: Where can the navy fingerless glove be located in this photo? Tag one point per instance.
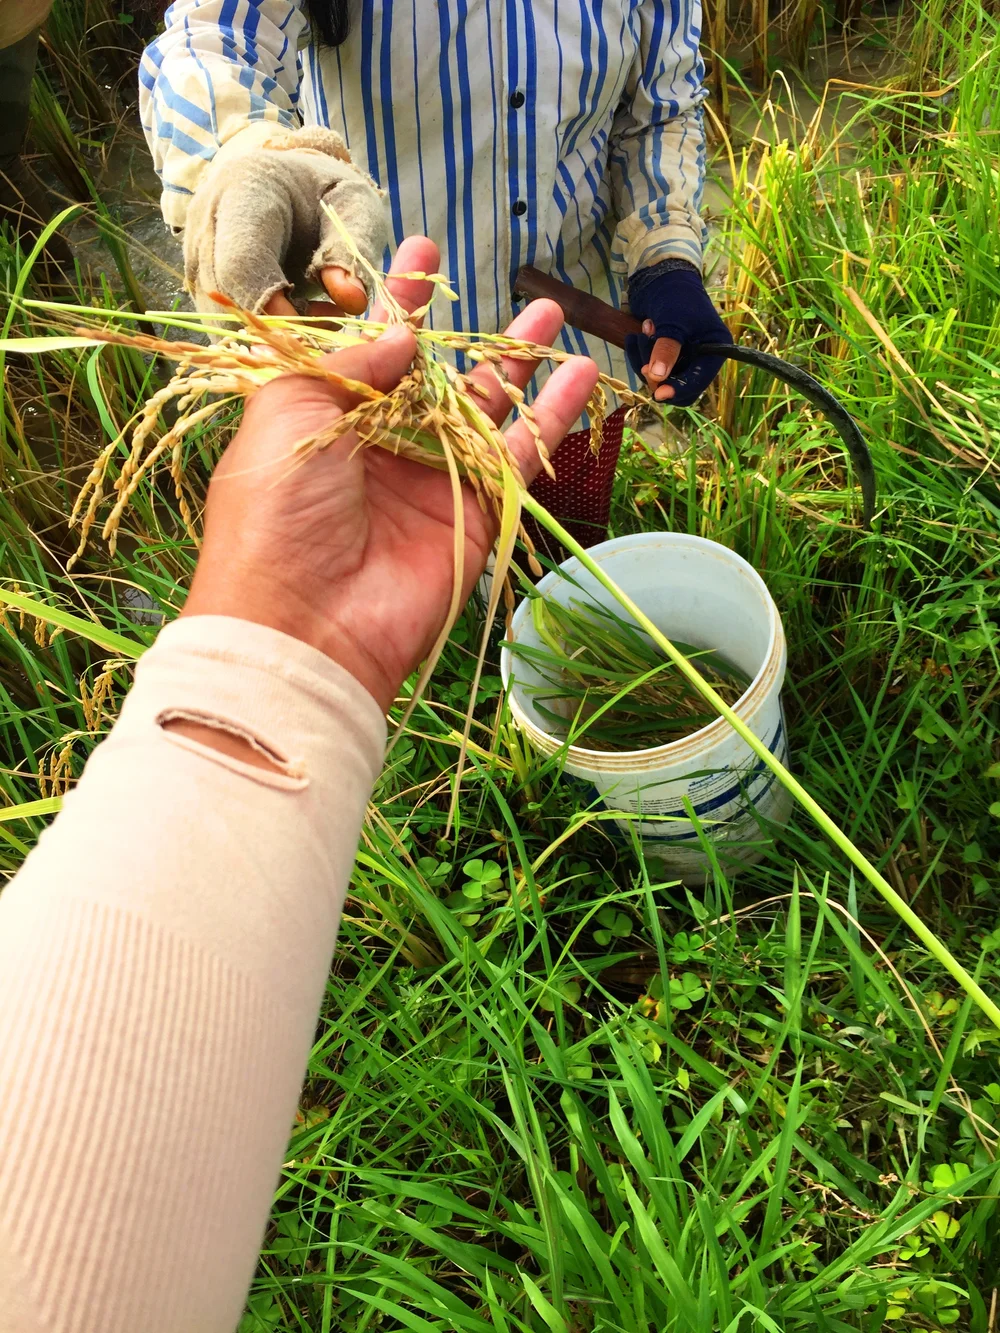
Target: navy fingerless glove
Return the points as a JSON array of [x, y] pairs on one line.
[[673, 296]]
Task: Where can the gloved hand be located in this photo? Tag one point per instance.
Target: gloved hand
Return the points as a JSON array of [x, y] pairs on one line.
[[256, 227], [677, 314]]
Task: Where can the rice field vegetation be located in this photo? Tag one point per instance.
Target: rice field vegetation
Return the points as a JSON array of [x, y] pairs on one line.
[[553, 1090]]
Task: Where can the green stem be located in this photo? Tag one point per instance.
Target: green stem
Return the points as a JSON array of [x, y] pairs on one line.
[[808, 803], [542, 629]]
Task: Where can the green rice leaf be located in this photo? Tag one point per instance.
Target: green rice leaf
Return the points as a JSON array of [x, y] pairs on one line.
[[86, 629]]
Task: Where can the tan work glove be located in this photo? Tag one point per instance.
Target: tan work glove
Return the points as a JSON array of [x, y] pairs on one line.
[[256, 227]]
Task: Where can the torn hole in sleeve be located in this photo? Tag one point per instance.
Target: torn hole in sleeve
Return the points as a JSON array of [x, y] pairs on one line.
[[232, 745]]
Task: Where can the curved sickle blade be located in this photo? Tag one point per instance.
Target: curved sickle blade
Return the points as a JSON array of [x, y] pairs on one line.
[[594, 316], [821, 397]]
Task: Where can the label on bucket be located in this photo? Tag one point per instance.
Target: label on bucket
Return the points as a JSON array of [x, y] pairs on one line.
[[725, 794], [724, 801]]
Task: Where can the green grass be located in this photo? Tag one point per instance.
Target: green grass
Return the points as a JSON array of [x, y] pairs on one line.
[[550, 1091]]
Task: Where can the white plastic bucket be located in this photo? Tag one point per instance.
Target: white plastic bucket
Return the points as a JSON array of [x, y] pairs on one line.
[[703, 594]]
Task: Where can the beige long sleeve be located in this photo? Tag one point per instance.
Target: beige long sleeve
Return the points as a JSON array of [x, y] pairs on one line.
[[163, 955]]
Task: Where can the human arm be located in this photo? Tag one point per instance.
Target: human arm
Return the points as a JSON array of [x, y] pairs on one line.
[[218, 91], [657, 149], [657, 160], [164, 950], [218, 70]]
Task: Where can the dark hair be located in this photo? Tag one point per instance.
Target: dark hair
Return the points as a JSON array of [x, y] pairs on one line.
[[330, 19]]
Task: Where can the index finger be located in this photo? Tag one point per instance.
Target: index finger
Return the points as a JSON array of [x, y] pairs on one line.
[[416, 254], [539, 322]]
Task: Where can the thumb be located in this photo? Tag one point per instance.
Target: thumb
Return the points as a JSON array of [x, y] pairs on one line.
[[381, 362], [345, 291]]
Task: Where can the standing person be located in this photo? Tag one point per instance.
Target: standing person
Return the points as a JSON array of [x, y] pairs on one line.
[[23, 207], [20, 23], [566, 134]]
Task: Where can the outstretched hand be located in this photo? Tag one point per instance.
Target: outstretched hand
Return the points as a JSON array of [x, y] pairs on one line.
[[352, 550]]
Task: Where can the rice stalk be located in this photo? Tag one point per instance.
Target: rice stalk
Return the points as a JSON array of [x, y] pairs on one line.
[[98, 700], [800, 28], [40, 632], [55, 777], [760, 28], [432, 416]]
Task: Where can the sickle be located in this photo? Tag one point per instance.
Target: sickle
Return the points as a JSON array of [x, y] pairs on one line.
[[591, 315]]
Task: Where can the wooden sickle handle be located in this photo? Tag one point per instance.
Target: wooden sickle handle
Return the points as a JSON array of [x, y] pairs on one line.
[[583, 311]]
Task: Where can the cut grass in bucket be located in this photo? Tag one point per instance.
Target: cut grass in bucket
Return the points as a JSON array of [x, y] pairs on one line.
[[610, 686], [432, 416]]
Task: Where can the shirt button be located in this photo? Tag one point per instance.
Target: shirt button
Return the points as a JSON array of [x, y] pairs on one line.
[[517, 100], [519, 209]]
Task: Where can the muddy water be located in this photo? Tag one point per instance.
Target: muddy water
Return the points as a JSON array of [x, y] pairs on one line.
[[128, 185], [155, 254], [795, 104]]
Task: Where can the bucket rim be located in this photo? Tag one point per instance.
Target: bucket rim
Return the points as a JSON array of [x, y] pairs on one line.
[[678, 751]]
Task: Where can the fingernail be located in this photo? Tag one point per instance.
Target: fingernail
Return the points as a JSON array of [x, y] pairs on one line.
[[658, 370], [649, 328]]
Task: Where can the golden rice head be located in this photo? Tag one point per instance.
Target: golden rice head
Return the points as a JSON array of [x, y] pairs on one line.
[[433, 408]]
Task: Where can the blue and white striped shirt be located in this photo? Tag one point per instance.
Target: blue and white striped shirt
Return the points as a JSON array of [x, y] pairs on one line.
[[561, 133]]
